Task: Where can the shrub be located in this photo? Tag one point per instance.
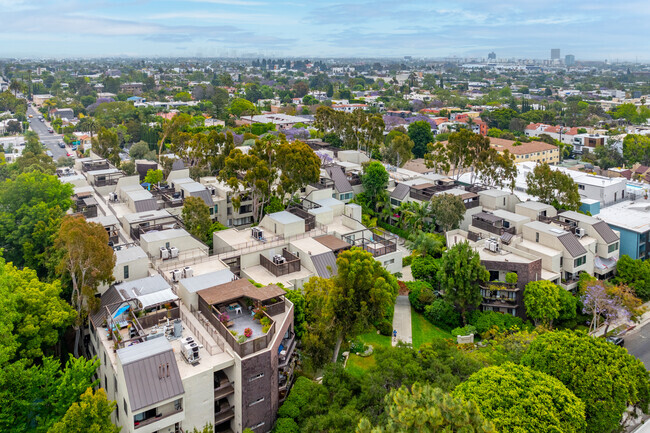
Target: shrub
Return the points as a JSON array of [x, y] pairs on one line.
[[486, 320], [442, 313], [265, 321], [395, 230], [425, 269], [465, 330], [511, 278], [385, 327], [265, 328], [286, 425], [420, 294], [406, 261], [241, 339]]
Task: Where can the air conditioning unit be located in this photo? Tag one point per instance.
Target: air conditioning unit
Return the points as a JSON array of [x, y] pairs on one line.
[[580, 232], [278, 259], [176, 275], [257, 233], [112, 196], [492, 245], [190, 352], [188, 272], [164, 253], [173, 252]]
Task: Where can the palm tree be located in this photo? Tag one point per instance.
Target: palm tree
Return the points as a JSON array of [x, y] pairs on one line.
[[15, 86], [90, 124]]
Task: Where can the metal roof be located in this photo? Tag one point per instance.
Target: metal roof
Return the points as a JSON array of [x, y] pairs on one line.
[[205, 281], [325, 264], [605, 232], [572, 245], [150, 372], [400, 191], [341, 182], [145, 205], [111, 299], [205, 195]]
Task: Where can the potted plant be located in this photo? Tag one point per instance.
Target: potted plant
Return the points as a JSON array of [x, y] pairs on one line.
[[248, 332], [224, 318], [233, 333]]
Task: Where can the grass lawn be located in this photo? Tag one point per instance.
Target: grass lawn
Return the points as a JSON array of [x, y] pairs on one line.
[[374, 339], [358, 365], [424, 331]]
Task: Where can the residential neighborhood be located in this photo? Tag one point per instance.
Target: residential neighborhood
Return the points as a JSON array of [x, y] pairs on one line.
[[348, 243]]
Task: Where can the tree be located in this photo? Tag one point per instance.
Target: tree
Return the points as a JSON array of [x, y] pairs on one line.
[[31, 207], [636, 149], [241, 107], [542, 300], [427, 244], [362, 293], [88, 260], [108, 145], [604, 376], [153, 177], [33, 315], [428, 410], [447, 210], [170, 128], [374, 180], [608, 156], [140, 150], [91, 414], [553, 187], [519, 399], [420, 133], [37, 396], [298, 165], [398, 150], [196, 218], [459, 275], [634, 273], [15, 87]]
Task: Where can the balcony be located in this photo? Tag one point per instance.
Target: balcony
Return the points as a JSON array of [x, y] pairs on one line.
[[290, 264], [424, 192], [158, 417], [226, 414], [323, 183], [375, 244], [491, 224]]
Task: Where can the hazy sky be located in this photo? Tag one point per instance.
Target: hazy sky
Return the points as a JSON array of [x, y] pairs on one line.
[[589, 29]]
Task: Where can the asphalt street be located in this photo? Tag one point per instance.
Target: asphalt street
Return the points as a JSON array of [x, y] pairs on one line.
[[51, 141], [637, 343]]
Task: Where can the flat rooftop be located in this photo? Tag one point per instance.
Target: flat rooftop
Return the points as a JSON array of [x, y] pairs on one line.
[[310, 245], [629, 215], [260, 275]]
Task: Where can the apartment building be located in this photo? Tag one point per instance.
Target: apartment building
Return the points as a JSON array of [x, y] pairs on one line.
[[536, 243], [632, 220], [172, 367], [534, 151]]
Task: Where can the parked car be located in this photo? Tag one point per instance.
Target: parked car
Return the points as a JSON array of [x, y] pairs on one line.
[[61, 145], [69, 154], [619, 341], [50, 130], [49, 153]]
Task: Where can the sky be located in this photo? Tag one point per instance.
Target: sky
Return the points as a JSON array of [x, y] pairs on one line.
[[588, 29]]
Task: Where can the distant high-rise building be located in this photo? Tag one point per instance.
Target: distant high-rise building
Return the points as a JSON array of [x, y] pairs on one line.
[[492, 56], [555, 54], [569, 60]]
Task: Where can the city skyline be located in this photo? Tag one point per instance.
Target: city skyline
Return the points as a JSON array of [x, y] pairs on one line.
[[241, 28]]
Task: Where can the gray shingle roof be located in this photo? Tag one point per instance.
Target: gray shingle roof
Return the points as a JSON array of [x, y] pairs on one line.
[[323, 263], [400, 191], [150, 372], [572, 245], [605, 232], [341, 182], [205, 195]]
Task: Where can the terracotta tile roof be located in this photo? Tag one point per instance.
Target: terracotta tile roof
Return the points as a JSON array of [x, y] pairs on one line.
[[525, 148]]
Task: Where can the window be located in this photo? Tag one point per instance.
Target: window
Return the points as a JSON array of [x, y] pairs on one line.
[[166, 244], [537, 237], [216, 208], [259, 400], [117, 413], [580, 186], [579, 261], [389, 262], [115, 384], [561, 261], [613, 247], [105, 382], [126, 271], [504, 201], [126, 410], [257, 376], [395, 202]]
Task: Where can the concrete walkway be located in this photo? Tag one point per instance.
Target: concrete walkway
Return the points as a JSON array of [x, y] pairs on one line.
[[402, 320]]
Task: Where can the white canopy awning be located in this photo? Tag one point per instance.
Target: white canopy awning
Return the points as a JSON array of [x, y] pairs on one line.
[[156, 298]]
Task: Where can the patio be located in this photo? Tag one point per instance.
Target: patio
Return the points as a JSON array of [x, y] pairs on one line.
[[245, 320]]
